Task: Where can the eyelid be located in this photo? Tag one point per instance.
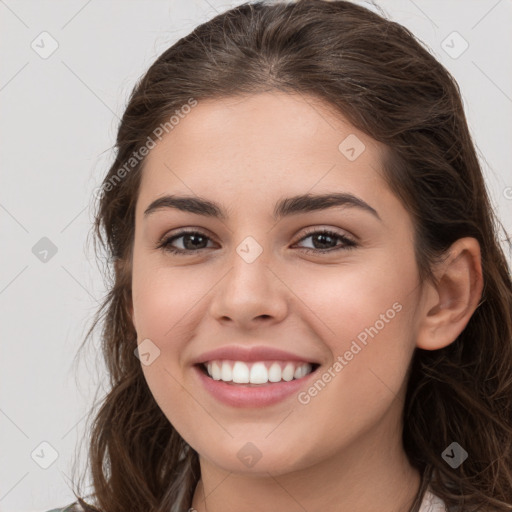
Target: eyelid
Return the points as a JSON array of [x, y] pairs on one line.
[[319, 228]]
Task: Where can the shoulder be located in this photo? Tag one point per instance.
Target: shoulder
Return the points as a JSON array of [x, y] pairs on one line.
[[432, 503]]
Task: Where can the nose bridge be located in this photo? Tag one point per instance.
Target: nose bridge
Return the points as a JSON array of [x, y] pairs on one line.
[[249, 290], [249, 275]]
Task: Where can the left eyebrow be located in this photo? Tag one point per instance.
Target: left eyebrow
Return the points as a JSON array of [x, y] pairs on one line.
[[284, 207]]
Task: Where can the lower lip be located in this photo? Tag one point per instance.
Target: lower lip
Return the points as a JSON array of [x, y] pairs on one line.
[[239, 395]]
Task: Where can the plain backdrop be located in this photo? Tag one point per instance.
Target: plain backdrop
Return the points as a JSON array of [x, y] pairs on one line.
[[67, 68]]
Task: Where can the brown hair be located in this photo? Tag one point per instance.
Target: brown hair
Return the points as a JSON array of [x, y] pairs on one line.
[[375, 73]]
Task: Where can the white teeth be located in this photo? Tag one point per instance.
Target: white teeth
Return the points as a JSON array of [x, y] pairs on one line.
[[259, 372], [288, 371], [216, 371], [240, 373], [274, 372], [227, 372]]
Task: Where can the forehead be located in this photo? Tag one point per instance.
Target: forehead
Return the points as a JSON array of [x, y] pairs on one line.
[[279, 141]]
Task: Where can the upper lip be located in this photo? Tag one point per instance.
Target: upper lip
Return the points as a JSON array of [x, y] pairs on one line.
[[254, 353]]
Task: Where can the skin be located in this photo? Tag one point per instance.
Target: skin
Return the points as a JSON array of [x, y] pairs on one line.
[[342, 450]]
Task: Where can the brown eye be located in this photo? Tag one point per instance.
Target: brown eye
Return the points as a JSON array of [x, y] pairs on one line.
[[326, 241], [193, 241]]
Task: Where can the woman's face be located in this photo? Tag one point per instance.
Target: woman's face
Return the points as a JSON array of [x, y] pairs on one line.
[[252, 276]]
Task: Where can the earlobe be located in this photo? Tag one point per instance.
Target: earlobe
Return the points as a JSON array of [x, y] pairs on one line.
[[452, 300]]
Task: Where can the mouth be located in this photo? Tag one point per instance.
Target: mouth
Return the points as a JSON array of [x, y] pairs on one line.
[[257, 373]]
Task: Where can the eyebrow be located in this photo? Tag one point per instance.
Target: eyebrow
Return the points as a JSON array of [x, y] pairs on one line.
[[284, 207]]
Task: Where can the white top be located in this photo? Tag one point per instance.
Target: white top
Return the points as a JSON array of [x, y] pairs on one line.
[[432, 503]]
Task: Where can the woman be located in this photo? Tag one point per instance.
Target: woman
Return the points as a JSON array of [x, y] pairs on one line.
[[310, 308]]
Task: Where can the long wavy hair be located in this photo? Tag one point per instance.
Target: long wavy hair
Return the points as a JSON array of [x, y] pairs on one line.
[[388, 85]]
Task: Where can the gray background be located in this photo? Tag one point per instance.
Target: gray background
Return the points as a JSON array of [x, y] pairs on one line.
[[58, 122]]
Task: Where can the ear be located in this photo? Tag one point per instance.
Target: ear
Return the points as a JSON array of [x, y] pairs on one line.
[[452, 299]]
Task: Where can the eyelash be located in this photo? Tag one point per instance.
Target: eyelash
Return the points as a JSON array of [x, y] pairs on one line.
[[348, 243]]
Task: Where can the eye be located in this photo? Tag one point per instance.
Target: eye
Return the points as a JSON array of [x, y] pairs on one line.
[[194, 241], [325, 237]]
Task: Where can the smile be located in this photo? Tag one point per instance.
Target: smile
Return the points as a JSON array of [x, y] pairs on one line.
[[260, 387], [258, 372]]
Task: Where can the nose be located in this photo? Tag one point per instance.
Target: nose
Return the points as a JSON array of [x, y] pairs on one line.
[[250, 295]]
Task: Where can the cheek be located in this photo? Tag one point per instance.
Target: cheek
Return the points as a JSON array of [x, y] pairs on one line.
[[168, 311], [349, 298], [164, 297], [163, 301]]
